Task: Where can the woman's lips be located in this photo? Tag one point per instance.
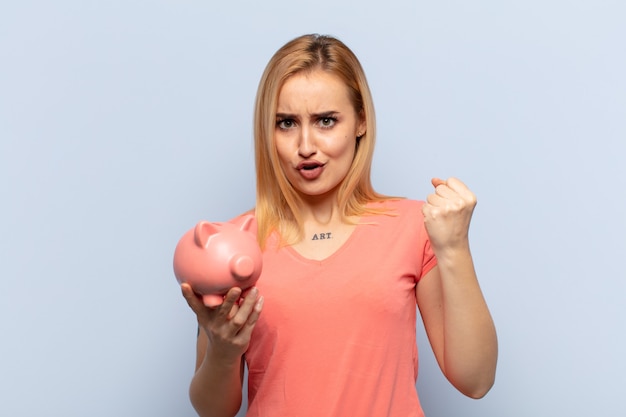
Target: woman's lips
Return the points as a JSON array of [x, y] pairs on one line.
[[310, 170]]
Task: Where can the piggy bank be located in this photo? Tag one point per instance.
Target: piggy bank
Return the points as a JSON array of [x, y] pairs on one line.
[[214, 257]]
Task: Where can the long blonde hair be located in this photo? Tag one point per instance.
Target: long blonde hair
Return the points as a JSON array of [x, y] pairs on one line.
[[276, 200]]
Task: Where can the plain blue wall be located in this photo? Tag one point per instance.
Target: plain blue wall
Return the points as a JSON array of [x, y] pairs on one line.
[[122, 123]]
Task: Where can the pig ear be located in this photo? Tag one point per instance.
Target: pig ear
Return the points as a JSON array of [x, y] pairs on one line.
[[203, 231], [248, 224]]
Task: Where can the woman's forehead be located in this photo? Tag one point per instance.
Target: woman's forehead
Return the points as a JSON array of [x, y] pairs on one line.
[[316, 91]]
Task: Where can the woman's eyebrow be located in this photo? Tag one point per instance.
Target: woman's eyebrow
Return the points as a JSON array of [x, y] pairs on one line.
[[325, 114], [285, 116], [320, 115]]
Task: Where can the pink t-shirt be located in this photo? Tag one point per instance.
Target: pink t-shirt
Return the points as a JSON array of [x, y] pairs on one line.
[[337, 337]]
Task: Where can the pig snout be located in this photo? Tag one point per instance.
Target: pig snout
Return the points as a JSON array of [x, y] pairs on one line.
[[242, 267]]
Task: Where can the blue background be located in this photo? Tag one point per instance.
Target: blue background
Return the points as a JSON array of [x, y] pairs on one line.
[[123, 123]]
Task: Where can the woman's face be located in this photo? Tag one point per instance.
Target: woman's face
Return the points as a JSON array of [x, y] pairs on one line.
[[315, 133]]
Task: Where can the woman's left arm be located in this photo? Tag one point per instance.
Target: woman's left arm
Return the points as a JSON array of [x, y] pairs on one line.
[[455, 314]]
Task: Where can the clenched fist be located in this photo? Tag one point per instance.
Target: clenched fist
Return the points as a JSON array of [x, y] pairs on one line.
[[447, 215]]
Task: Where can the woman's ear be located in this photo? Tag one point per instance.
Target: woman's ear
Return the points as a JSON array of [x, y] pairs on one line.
[[362, 126]]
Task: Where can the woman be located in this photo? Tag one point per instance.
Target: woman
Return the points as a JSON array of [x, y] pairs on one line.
[[330, 328]]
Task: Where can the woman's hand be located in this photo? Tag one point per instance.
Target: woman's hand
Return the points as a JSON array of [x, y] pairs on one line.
[[228, 326], [447, 214]]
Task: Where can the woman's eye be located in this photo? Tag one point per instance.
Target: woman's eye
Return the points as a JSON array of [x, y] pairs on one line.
[[285, 124], [327, 122]]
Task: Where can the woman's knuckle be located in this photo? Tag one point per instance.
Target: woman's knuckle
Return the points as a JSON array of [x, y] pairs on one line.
[[238, 321]]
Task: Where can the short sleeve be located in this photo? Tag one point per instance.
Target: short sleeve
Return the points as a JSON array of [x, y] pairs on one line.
[[429, 260]]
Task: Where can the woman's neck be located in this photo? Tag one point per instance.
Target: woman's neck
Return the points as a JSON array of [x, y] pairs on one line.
[[325, 230], [320, 212], [323, 223]]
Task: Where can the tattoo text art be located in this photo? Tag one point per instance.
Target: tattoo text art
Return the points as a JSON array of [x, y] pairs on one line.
[[321, 236]]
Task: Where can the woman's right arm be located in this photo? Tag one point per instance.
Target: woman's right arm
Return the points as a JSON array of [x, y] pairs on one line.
[[223, 338]]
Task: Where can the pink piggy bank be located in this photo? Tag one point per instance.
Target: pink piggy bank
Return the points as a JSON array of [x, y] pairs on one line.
[[214, 257]]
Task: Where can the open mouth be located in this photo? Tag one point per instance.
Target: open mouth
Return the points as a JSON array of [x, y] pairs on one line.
[[309, 166], [310, 170]]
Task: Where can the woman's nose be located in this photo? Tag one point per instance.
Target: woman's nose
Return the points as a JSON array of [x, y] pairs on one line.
[[306, 146]]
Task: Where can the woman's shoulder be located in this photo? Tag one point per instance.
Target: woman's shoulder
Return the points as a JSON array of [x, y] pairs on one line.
[[398, 205], [400, 219], [396, 213]]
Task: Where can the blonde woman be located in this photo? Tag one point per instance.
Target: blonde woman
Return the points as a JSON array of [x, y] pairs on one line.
[[330, 329]]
